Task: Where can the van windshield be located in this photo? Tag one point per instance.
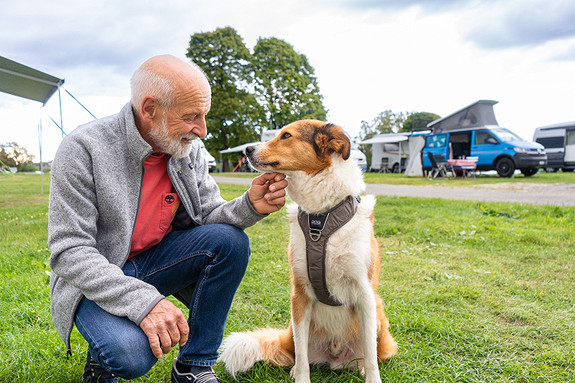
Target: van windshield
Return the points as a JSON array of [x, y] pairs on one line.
[[506, 135]]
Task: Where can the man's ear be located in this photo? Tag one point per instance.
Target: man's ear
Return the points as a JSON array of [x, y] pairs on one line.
[[149, 108], [332, 139]]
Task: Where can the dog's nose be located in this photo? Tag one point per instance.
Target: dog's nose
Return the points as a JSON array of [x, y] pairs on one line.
[[250, 150]]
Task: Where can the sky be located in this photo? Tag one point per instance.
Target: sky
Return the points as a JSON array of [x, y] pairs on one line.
[[369, 56]]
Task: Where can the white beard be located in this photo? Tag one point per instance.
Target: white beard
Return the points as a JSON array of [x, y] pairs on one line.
[[176, 147]]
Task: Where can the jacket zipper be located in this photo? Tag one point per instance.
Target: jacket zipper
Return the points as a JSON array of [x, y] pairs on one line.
[[137, 213]]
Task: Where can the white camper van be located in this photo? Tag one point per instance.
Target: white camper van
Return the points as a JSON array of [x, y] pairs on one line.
[[559, 143]]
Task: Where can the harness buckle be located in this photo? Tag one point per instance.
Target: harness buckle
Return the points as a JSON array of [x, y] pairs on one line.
[[316, 224], [314, 235]]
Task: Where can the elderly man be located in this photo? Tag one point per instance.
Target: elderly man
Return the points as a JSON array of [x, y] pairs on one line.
[[135, 217]]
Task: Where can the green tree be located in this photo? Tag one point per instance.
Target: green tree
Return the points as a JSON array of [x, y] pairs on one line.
[[418, 121], [285, 83], [235, 116], [385, 122], [14, 155]]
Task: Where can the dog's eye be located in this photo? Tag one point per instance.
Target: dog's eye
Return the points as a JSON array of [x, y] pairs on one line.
[[286, 135]]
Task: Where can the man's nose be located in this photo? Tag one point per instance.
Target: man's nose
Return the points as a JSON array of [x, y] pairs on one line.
[[201, 129]]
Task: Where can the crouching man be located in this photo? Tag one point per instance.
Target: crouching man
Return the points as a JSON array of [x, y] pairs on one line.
[[135, 217]]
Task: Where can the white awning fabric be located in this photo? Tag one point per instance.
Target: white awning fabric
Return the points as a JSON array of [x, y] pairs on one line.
[[23, 81], [239, 148], [386, 139]]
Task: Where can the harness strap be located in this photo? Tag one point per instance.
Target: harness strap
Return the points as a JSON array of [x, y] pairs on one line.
[[317, 229]]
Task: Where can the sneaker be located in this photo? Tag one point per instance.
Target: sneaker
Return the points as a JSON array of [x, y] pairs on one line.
[[94, 373], [196, 375]]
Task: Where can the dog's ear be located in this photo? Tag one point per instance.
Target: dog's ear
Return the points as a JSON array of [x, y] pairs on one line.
[[332, 139]]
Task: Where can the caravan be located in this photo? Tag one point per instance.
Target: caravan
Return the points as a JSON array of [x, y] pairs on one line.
[[392, 152], [474, 132], [559, 143]]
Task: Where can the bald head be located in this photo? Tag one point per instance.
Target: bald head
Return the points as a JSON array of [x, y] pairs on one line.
[[163, 77]]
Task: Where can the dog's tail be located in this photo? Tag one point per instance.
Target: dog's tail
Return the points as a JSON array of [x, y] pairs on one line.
[[241, 350]]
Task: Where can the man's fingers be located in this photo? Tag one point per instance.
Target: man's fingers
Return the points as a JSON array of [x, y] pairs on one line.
[[155, 345], [184, 331], [278, 185], [165, 326], [174, 335]]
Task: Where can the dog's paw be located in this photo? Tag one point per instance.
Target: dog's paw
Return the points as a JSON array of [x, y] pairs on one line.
[[299, 376], [371, 377]]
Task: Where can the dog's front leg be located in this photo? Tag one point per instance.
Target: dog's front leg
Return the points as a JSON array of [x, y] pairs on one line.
[[366, 314], [301, 316]]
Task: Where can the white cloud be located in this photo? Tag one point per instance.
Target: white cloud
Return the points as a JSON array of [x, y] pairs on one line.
[[369, 56]]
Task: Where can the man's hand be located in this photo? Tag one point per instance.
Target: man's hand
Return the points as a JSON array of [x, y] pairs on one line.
[[165, 326], [267, 192]]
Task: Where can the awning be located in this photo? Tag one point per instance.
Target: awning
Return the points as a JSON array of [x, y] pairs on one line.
[[239, 148], [386, 138], [22, 81]]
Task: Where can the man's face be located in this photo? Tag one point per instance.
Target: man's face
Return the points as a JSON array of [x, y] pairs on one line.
[[177, 146], [183, 123]]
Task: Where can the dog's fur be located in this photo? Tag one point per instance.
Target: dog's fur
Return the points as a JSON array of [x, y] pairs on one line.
[[314, 156]]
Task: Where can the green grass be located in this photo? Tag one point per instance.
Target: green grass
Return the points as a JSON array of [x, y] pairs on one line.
[[400, 179], [475, 291]]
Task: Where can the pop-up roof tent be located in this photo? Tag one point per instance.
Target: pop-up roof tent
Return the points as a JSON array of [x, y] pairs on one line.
[[478, 114]]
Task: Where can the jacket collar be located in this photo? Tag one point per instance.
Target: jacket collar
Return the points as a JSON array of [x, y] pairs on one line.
[[137, 146]]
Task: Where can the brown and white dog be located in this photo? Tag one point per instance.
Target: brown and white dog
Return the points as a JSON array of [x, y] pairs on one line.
[[314, 156]]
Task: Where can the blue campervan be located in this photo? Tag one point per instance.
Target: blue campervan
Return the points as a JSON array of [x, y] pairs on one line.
[[474, 132]]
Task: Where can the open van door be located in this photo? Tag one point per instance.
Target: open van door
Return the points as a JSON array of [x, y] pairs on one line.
[[437, 144]]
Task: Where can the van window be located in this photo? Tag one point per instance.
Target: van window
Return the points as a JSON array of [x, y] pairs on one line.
[[551, 142], [571, 138], [481, 137], [437, 141]]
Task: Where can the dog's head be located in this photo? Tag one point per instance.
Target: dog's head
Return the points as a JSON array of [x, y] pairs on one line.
[[306, 145]]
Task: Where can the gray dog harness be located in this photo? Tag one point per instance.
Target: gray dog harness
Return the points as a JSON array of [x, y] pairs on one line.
[[317, 229]]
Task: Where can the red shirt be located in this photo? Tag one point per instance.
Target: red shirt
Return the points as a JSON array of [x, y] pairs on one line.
[[158, 205]]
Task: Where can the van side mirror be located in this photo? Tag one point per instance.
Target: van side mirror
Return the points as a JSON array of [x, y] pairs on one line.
[[491, 141]]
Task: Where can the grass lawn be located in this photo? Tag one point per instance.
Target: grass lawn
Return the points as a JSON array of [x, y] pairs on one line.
[[400, 179], [475, 291]]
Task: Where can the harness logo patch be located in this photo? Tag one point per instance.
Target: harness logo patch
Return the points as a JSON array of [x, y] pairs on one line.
[[169, 199]]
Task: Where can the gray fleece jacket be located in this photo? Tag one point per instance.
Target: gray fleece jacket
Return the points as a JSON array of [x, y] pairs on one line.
[[97, 178]]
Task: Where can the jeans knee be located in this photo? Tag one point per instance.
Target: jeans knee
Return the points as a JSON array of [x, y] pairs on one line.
[[237, 243], [128, 360]]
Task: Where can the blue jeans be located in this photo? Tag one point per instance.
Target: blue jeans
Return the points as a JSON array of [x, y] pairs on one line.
[[212, 260]]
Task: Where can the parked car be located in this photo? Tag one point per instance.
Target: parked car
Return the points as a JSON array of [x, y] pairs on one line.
[[474, 132], [209, 158], [360, 158], [559, 143]]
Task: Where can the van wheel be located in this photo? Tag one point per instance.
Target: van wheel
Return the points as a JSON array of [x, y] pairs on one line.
[[505, 167], [529, 172], [395, 168]]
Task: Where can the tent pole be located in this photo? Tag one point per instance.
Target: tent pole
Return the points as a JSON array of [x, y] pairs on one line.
[[40, 144], [60, 102], [75, 99]]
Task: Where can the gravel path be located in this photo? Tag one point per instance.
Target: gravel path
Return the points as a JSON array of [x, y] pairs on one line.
[[539, 194]]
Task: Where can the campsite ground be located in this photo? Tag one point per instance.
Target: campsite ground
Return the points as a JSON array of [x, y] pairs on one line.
[[475, 291], [542, 189]]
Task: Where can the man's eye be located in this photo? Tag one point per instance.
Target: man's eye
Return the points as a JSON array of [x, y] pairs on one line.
[[285, 136]]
